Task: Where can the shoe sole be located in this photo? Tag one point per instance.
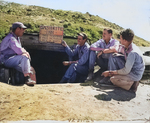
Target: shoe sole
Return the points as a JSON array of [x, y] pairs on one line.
[[106, 85], [30, 83]]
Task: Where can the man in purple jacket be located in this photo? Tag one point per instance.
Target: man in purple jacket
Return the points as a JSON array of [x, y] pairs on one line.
[[13, 55]]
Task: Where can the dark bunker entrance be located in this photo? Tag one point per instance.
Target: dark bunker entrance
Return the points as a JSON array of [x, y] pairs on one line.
[[48, 65], [47, 57]]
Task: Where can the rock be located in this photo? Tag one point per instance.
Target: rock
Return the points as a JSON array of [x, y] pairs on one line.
[[53, 19]]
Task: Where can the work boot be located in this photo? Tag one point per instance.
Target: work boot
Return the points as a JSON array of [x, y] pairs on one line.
[[64, 80], [134, 86], [97, 75], [90, 76], [29, 81], [105, 80]]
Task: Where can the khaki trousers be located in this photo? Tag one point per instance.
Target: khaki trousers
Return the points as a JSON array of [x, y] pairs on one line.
[[122, 81]]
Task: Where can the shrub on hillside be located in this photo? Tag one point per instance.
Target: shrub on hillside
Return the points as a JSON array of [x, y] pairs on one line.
[[73, 22]]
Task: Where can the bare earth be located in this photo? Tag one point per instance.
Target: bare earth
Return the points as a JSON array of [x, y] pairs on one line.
[[73, 102]]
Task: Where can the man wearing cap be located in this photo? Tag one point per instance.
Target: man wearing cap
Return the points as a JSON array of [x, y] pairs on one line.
[[79, 68], [100, 52], [13, 55]]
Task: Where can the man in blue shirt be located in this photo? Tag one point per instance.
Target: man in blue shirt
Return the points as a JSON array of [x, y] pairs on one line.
[[100, 52], [80, 66]]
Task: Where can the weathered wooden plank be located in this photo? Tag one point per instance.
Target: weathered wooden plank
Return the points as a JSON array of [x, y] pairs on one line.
[[31, 41], [51, 34]]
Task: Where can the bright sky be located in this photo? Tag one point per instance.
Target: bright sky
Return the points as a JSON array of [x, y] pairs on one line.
[[134, 14]]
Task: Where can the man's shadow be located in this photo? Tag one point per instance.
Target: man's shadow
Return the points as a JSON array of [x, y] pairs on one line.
[[115, 93], [109, 92], [112, 92]]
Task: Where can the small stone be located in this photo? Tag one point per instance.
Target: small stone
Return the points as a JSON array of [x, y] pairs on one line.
[[57, 93]]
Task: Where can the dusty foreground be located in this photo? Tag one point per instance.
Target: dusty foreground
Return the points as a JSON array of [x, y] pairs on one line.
[[73, 102]]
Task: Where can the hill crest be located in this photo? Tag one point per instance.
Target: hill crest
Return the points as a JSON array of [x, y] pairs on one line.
[[73, 22]]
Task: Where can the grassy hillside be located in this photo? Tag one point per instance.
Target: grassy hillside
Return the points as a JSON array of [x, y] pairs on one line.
[[73, 22]]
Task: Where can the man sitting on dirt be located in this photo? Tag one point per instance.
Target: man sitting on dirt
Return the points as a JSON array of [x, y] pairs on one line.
[[13, 55], [77, 69], [126, 69], [103, 48]]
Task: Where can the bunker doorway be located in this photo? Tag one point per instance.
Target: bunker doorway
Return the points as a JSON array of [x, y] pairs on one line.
[[48, 65]]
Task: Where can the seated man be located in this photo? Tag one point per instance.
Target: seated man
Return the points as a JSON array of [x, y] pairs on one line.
[[106, 47], [13, 55], [79, 67], [127, 75]]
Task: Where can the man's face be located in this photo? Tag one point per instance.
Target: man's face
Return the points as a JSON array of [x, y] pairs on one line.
[[122, 41], [19, 31], [80, 40], [106, 36]]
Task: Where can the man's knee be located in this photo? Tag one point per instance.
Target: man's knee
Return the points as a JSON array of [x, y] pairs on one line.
[[92, 52], [123, 83], [114, 80], [92, 55], [112, 59], [24, 58]]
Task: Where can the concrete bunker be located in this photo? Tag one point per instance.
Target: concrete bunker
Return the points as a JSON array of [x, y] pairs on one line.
[[46, 58]]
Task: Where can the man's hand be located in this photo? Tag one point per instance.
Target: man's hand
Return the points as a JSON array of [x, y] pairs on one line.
[[109, 73], [66, 63], [64, 43], [26, 54], [99, 54], [114, 50], [105, 74], [23, 50]]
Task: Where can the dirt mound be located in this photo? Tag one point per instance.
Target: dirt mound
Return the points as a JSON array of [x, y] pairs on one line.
[[72, 102]]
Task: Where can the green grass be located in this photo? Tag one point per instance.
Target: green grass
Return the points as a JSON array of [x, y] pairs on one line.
[[73, 22], [70, 41], [89, 83]]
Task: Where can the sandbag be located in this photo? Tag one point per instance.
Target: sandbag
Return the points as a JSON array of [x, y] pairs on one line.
[[16, 77], [4, 74]]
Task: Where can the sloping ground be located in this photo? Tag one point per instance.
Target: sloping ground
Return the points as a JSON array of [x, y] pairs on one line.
[[72, 102], [73, 22]]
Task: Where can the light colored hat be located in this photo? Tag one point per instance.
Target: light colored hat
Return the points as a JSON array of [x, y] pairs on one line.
[[82, 34], [18, 24]]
